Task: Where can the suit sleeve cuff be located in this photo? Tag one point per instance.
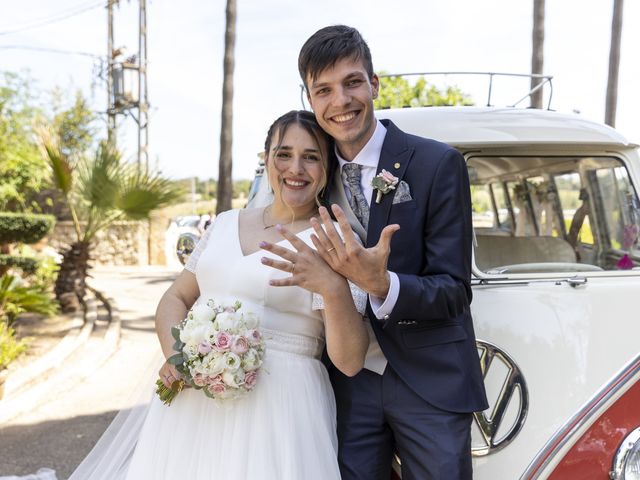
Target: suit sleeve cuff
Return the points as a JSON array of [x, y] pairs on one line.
[[382, 307]]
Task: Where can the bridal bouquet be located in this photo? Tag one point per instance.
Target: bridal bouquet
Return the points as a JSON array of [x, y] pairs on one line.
[[220, 352]]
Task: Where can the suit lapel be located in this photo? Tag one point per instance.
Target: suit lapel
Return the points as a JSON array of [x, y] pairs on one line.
[[394, 158], [339, 196]]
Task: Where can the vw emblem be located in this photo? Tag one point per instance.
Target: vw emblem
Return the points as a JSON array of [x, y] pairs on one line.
[[508, 401]]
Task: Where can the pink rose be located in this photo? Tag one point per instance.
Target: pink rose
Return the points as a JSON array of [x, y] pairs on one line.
[[254, 337], [250, 379], [389, 178], [204, 347], [214, 380], [200, 380], [223, 341], [230, 310], [240, 345], [217, 389]]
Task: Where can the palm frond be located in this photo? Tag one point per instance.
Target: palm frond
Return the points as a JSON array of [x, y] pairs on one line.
[[100, 181], [58, 161], [143, 192]]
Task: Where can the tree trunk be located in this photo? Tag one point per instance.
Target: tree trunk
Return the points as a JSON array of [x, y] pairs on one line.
[[614, 64], [225, 185], [537, 51], [70, 285]]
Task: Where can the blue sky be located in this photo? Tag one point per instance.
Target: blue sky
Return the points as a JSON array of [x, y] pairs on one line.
[[186, 50]]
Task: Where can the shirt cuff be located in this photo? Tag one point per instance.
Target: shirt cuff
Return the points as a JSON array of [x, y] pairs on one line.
[[382, 307]]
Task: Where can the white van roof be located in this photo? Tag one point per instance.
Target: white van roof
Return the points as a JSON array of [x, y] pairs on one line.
[[480, 126]]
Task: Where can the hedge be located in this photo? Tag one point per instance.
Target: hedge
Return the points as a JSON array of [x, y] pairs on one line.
[[24, 227], [27, 264]]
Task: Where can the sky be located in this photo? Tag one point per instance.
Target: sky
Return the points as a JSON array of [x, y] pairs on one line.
[[186, 45]]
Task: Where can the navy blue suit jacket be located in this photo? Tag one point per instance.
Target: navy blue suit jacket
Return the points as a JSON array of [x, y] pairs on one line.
[[429, 339]]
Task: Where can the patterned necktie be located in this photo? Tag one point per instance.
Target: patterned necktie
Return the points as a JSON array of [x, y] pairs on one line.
[[351, 174]]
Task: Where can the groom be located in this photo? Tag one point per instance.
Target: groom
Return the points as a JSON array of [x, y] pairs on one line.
[[422, 378]]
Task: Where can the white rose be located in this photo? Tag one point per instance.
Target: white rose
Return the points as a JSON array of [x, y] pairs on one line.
[[188, 334], [232, 361], [226, 321], [191, 349], [233, 379], [251, 360], [202, 313], [250, 320], [217, 363]]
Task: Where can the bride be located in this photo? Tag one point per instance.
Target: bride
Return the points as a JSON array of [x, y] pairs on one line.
[[285, 427]]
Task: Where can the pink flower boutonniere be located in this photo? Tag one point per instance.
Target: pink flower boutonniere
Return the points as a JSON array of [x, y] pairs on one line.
[[383, 183]]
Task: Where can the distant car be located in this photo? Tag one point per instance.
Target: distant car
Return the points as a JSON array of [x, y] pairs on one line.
[[181, 237]]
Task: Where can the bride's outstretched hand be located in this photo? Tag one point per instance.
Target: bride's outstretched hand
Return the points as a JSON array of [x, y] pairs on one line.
[[307, 268]]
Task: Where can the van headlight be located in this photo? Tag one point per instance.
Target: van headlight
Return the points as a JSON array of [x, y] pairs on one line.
[[626, 463]]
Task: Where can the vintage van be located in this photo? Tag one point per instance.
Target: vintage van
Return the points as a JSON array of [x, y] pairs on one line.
[[556, 289]]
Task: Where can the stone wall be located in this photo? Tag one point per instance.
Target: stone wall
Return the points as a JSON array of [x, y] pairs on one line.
[[123, 243]]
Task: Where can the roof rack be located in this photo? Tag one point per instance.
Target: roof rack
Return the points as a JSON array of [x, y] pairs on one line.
[[544, 80]]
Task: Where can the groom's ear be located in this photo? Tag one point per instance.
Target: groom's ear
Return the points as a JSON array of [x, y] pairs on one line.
[[375, 86]]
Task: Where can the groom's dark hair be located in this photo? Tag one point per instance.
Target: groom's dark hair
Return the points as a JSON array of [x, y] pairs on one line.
[[329, 45]]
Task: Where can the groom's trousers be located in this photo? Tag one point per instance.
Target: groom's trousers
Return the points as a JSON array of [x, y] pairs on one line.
[[380, 414]]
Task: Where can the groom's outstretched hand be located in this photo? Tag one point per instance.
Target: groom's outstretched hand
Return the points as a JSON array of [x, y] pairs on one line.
[[345, 254]]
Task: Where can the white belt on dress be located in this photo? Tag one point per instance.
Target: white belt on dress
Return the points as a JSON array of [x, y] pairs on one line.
[[292, 343]]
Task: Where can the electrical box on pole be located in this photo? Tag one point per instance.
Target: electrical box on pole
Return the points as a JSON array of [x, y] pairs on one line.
[[127, 84]]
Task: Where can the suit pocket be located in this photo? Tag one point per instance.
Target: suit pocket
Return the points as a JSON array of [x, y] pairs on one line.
[[429, 336]]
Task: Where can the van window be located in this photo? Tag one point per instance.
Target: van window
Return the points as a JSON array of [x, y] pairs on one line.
[[554, 214]]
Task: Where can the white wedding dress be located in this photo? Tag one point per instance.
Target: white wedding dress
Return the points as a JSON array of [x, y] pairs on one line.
[[285, 429]]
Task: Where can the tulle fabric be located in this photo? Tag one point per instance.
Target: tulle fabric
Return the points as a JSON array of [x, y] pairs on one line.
[[283, 430]]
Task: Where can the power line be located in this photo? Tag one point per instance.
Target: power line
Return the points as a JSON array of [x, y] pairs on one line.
[[63, 15], [48, 50]]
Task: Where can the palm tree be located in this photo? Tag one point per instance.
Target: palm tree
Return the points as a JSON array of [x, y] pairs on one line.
[[614, 64], [537, 51], [225, 185], [98, 192]]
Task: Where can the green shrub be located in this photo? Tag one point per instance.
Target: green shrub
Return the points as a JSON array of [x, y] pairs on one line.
[[10, 347], [16, 298], [28, 265], [24, 227]]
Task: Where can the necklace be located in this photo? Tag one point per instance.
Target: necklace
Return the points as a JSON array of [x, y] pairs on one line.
[[264, 222]]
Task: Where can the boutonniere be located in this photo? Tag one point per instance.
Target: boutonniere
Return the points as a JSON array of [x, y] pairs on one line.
[[383, 183]]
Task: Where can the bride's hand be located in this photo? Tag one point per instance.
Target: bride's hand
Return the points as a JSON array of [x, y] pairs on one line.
[[307, 268], [168, 374]]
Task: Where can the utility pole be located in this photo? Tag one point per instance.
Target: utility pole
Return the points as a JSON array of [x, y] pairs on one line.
[[537, 52], [111, 114], [614, 64], [143, 91], [128, 93]]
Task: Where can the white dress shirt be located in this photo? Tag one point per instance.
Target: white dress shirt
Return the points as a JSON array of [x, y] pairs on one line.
[[368, 157]]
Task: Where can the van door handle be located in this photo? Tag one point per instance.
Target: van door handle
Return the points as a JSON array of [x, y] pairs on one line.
[[576, 282]]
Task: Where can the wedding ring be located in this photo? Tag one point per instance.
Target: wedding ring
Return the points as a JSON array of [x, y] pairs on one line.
[[331, 249], [293, 267]]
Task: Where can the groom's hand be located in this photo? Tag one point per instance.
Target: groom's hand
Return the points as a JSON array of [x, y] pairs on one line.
[[366, 267]]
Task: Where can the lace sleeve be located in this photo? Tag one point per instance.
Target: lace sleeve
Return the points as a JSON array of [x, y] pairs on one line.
[[192, 262], [359, 299]]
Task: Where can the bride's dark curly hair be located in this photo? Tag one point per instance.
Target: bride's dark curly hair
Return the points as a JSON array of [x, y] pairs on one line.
[[307, 121]]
